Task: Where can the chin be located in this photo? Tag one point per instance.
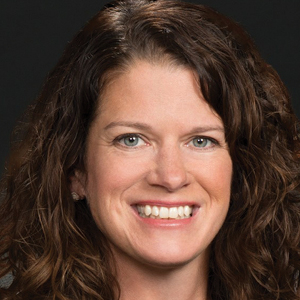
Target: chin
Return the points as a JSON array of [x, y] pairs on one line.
[[166, 259]]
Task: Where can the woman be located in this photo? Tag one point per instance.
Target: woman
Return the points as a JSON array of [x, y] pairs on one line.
[[160, 161]]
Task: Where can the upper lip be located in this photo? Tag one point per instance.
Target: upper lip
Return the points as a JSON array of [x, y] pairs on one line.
[[165, 203]]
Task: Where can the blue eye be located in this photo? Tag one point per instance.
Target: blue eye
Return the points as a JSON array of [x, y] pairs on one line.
[[202, 142], [130, 140]]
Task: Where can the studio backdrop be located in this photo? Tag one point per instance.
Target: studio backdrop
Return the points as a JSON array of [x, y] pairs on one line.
[[33, 34]]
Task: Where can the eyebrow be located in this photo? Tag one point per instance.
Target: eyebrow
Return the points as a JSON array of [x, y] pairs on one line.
[[138, 125], [143, 126]]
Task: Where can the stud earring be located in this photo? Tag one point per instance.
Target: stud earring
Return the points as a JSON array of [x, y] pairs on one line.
[[75, 196]]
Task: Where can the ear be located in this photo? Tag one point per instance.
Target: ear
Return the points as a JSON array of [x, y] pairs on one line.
[[77, 184]]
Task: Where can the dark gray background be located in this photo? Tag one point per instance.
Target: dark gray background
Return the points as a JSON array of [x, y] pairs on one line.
[[33, 34]]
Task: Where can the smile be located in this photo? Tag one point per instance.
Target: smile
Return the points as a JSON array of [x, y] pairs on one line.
[[161, 212]]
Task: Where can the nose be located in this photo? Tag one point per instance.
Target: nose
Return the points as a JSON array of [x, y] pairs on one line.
[[169, 170]]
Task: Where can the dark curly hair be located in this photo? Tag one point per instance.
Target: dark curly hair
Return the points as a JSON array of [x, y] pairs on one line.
[[48, 242]]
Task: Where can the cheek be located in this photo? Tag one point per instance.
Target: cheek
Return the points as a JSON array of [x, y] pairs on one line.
[[110, 173], [109, 176], [217, 178]]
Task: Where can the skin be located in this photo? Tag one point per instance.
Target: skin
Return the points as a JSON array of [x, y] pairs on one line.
[[160, 163]]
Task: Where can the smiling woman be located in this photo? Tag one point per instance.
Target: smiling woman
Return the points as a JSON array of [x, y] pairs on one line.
[[140, 156], [161, 161]]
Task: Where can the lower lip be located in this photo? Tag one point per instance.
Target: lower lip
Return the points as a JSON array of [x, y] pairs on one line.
[[167, 223]]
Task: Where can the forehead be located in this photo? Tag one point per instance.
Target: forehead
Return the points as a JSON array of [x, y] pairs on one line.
[[146, 90]]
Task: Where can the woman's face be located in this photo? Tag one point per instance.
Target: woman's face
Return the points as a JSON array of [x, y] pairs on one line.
[[158, 171]]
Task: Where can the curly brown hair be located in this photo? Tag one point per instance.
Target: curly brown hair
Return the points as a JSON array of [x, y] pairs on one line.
[[51, 245]]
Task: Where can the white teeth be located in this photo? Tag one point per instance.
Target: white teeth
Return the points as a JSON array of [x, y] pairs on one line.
[[148, 210], [187, 210], [173, 212], [164, 213], [180, 211], [156, 212]]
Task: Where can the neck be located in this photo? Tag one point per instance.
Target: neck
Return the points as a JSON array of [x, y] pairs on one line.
[[141, 281]]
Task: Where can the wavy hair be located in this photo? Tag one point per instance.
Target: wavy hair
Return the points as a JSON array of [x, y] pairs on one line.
[[51, 245]]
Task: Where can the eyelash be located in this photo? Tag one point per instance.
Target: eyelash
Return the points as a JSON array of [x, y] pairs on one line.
[[118, 141]]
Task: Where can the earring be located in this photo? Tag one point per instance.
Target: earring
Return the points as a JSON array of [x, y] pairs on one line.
[[75, 196]]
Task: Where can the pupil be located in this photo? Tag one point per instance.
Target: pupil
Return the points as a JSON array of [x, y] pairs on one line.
[[131, 141], [200, 142]]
